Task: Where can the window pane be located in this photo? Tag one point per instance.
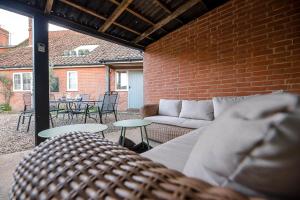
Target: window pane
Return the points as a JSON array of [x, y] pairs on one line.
[[122, 80], [72, 81], [17, 81], [26, 81]]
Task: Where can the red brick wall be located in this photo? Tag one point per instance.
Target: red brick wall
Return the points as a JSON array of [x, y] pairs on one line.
[[241, 48], [16, 100], [90, 81]]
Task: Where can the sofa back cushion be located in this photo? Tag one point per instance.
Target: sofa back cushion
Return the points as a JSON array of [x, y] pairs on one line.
[[223, 103], [169, 107], [253, 147], [197, 110]]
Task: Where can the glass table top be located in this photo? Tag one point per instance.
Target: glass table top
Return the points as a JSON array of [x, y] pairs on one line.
[[132, 123]]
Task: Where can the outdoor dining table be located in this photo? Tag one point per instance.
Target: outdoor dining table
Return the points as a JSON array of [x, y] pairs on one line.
[[70, 103]]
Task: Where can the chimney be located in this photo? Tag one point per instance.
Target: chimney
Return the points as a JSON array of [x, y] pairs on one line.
[[4, 37], [30, 31]]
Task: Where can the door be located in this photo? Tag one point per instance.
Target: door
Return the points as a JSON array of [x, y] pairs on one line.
[[135, 89]]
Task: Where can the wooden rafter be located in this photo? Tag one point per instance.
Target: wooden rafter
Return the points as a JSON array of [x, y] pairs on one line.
[[112, 18], [186, 6], [93, 13], [134, 13], [158, 2], [48, 7], [163, 6]]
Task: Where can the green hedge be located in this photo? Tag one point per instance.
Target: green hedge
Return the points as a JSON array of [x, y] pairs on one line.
[[5, 107]]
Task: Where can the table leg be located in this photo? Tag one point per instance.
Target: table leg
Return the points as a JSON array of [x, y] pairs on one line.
[[124, 132], [141, 134], [86, 112], [102, 134], [146, 137]]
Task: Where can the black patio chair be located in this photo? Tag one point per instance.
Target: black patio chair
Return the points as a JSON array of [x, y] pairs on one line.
[[107, 104], [79, 108], [28, 111]]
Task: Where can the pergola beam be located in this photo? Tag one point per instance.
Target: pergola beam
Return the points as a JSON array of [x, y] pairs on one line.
[[186, 6], [134, 13], [93, 13], [48, 7], [112, 18], [166, 9]]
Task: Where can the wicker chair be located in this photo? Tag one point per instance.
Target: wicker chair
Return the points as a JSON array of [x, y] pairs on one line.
[[86, 166]]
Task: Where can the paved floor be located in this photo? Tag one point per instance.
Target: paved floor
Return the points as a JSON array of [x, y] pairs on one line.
[[15, 141], [8, 162]]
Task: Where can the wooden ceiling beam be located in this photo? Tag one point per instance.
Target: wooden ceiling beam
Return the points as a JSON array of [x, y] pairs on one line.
[[93, 13], [112, 18], [186, 6], [48, 7], [134, 13], [158, 2]]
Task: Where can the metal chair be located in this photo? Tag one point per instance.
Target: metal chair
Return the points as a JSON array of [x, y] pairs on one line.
[[108, 105], [28, 111]]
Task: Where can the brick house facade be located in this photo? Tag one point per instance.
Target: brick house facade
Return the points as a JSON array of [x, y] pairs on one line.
[[91, 69], [240, 48]]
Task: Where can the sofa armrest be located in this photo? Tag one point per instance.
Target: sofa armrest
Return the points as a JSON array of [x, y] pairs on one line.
[[149, 110]]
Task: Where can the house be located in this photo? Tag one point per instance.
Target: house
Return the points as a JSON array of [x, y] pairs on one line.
[[79, 64]]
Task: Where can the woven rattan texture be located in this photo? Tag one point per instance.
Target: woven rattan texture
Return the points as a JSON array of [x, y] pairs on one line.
[[85, 166], [162, 133]]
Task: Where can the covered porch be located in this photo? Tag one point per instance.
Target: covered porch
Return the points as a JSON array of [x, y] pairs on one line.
[[195, 51]]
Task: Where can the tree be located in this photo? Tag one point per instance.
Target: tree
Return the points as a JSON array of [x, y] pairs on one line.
[[6, 88]]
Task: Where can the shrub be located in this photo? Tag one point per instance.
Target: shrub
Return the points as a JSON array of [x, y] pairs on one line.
[[5, 107]]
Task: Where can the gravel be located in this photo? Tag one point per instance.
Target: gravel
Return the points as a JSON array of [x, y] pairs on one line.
[[12, 140]]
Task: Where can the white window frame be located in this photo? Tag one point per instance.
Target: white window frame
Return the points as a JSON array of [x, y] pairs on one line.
[[68, 86], [21, 75], [116, 80]]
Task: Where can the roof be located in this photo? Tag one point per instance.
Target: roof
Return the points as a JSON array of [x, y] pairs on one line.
[[60, 41], [134, 23]]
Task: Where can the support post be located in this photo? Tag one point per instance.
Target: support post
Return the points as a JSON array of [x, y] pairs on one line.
[[41, 75], [107, 78]]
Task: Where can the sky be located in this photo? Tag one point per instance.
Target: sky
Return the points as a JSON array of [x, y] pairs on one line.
[[17, 26]]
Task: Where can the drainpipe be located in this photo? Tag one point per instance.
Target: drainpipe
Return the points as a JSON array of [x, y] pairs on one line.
[[107, 78]]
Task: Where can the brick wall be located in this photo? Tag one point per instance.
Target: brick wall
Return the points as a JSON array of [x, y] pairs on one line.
[[90, 81], [241, 48]]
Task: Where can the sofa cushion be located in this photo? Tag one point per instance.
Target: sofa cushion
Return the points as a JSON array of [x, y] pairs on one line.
[[253, 147], [169, 107], [174, 153], [221, 104], [176, 121], [197, 109]]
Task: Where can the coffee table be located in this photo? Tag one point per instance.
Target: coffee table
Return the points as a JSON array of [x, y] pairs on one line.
[[91, 128], [133, 123]]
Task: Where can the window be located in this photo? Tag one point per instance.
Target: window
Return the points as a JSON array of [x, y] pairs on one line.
[[121, 80], [72, 81], [82, 50], [22, 81]]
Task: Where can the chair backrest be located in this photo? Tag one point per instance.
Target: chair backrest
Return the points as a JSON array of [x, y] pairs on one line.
[[109, 101], [85, 97], [27, 101], [51, 97]]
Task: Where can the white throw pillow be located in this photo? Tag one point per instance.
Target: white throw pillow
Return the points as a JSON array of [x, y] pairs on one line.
[[169, 107], [197, 110], [221, 104], [254, 147]]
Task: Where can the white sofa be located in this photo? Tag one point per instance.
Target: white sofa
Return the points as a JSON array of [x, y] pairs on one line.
[[185, 114], [252, 146]]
